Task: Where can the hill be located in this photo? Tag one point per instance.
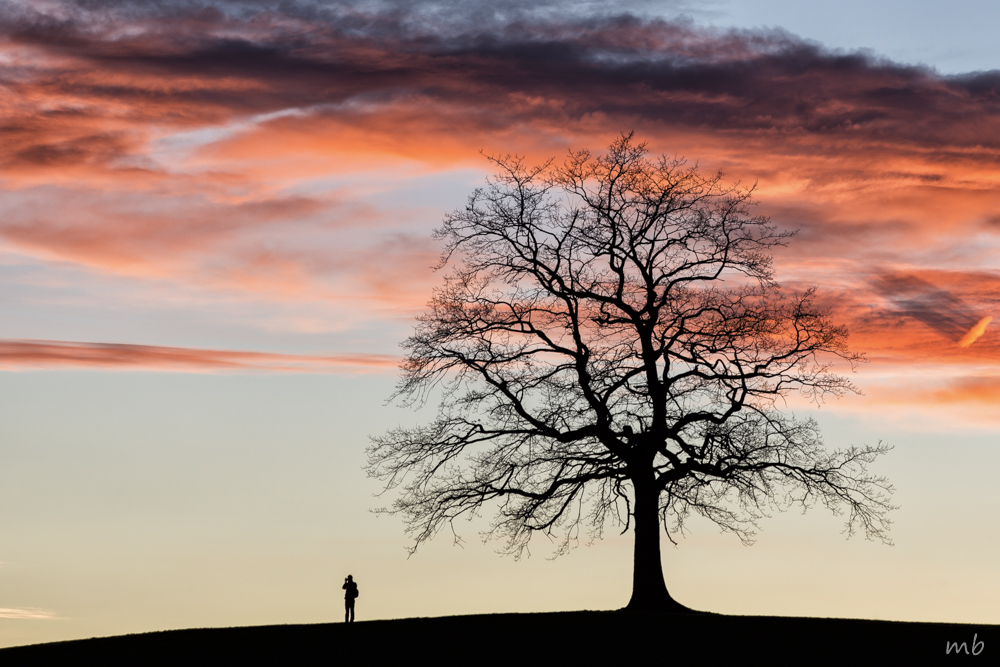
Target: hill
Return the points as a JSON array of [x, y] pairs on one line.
[[583, 637]]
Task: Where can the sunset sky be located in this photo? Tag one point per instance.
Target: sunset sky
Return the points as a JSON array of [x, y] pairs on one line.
[[215, 229]]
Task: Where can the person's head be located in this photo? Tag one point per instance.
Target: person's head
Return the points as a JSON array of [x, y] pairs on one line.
[[350, 578]]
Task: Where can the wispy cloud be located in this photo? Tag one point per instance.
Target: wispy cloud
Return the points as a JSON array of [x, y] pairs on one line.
[[31, 613], [36, 354]]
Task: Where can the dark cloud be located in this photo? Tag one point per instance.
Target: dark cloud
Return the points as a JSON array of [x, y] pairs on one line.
[[938, 308], [87, 149], [325, 56]]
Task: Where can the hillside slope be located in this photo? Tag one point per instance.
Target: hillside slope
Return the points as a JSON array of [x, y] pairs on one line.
[[584, 637]]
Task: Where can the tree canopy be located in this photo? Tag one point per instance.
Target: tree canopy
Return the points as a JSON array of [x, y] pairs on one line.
[[610, 344]]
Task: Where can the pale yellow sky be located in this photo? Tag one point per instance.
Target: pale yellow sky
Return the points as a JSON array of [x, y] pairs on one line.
[[160, 501]]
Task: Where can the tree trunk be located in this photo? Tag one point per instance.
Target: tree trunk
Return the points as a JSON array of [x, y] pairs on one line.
[[649, 591]]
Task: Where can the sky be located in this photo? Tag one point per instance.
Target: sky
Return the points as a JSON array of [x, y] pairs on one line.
[[216, 226]]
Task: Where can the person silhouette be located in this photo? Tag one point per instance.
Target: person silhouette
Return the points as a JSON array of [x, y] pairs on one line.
[[350, 594]]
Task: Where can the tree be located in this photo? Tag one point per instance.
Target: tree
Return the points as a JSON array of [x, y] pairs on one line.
[[610, 344]]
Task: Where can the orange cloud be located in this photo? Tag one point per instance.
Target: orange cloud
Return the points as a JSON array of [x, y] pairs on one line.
[[966, 394], [975, 332], [980, 390], [919, 318], [47, 354]]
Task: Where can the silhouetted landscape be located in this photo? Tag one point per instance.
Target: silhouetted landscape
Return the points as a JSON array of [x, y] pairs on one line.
[[283, 283], [587, 637]]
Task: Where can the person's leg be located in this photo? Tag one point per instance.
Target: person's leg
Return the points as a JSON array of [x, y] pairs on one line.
[[347, 610], [352, 610]]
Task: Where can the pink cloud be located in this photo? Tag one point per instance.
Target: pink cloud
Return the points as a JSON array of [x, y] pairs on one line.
[[47, 354]]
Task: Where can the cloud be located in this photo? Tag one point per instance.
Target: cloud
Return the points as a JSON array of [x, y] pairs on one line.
[[291, 247], [37, 354], [979, 390], [910, 323], [30, 613], [255, 148], [139, 229], [187, 64], [937, 308], [94, 83], [975, 393], [976, 332]]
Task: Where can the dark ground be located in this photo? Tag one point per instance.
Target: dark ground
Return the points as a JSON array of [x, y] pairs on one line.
[[582, 637]]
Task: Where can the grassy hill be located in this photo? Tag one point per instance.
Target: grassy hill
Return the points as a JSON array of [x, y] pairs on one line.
[[583, 637]]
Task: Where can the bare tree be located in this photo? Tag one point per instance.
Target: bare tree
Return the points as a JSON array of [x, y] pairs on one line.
[[610, 344]]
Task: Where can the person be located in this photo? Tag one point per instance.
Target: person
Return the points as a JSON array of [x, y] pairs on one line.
[[350, 594]]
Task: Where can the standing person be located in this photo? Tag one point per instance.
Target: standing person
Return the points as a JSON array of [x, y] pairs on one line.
[[350, 594]]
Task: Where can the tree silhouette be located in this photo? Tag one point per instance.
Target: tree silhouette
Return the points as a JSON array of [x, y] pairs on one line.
[[610, 344]]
